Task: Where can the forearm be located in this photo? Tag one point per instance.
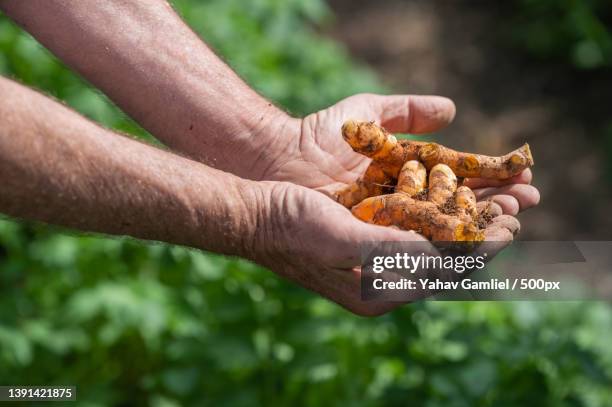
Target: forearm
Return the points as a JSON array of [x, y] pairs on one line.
[[142, 55], [59, 168]]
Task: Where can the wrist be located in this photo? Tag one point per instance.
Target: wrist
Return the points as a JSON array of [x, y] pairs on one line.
[[269, 137], [282, 214], [260, 213], [223, 214]]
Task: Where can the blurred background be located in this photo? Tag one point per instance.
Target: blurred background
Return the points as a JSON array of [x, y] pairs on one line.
[[149, 324]]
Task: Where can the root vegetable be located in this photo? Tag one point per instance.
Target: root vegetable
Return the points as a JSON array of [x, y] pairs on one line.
[[374, 182], [442, 184], [424, 217], [373, 141], [465, 200], [477, 165], [389, 155], [412, 178], [433, 205]]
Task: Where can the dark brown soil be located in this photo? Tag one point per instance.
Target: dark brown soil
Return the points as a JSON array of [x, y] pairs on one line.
[[421, 196], [449, 207], [484, 217]]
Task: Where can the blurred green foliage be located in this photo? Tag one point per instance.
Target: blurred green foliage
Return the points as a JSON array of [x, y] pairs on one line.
[[576, 31], [132, 323]]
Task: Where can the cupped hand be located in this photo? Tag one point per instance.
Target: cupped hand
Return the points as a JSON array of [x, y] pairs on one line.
[[310, 239], [320, 159], [315, 241]]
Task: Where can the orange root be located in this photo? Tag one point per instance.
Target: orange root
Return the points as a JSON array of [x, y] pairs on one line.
[[412, 178], [465, 201], [449, 214], [373, 141], [442, 184], [477, 165], [421, 216], [374, 182]]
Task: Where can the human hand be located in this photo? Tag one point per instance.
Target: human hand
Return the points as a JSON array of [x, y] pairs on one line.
[[312, 240], [315, 241], [320, 159]]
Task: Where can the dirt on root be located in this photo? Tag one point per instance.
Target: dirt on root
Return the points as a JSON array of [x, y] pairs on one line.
[[484, 217], [449, 207], [421, 196]]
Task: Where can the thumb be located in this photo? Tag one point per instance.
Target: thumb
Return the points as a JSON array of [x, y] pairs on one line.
[[357, 236], [414, 114]]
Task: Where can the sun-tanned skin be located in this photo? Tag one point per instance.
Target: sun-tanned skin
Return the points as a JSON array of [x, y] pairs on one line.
[[59, 168]]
